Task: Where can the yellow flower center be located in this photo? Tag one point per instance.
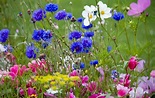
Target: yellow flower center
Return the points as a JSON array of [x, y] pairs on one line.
[[90, 16], [102, 12]]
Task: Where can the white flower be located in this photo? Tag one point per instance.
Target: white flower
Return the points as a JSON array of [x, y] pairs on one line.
[[2, 49], [89, 14], [104, 11], [51, 91], [136, 94]]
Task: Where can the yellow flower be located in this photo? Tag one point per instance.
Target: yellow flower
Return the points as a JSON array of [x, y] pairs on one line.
[[74, 78], [53, 83], [54, 87], [71, 84], [62, 83]]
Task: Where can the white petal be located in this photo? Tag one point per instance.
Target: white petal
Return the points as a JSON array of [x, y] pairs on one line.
[[108, 10], [2, 48], [85, 14], [86, 22], [87, 7], [107, 15]]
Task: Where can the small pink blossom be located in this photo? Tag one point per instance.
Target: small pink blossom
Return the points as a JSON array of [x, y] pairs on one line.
[[140, 66], [132, 63], [84, 80], [22, 70], [122, 90], [92, 86], [74, 73], [152, 74], [14, 71], [31, 91], [71, 95], [125, 80], [21, 92]]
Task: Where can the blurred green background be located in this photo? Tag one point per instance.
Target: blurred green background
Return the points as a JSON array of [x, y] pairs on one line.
[[9, 18]]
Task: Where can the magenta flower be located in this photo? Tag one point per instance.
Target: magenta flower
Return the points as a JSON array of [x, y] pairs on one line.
[[125, 80], [31, 91], [22, 70], [33, 66], [137, 8], [14, 71], [92, 86], [132, 63], [84, 80], [74, 73], [21, 92], [122, 91], [71, 95]]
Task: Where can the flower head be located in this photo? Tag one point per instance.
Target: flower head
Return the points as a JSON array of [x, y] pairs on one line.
[[87, 27], [118, 16], [132, 63], [80, 20], [76, 47], [4, 33], [75, 34], [14, 71], [87, 44], [88, 14], [30, 51], [122, 91], [51, 7], [82, 65], [37, 34], [61, 15], [94, 62], [89, 34], [47, 36], [137, 8], [69, 16], [152, 74], [38, 15], [104, 11]]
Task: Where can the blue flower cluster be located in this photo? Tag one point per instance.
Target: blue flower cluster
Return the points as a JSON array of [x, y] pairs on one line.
[[87, 44], [60, 15], [31, 51], [118, 16], [94, 62], [75, 35], [38, 15], [51, 7], [76, 47], [88, 34], [4, 34], [42, 35]]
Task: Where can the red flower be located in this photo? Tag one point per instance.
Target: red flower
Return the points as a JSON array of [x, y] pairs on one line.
[[132, 63]]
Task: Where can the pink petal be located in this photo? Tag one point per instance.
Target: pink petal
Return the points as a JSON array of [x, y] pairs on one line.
[[134, 6], [144, 4], [140, 66]]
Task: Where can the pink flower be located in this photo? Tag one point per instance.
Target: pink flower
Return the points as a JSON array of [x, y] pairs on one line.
[[138, 93], [84, 80], [74, 73], [132, 63], [71, 95], [152, 74], [100, 69], [22, 70], [125, 79], [31, 91], [14, 72], [3, 73], [33, 66], [139, 7], [21, 92], [140, 66], [122, 91], [92, 86]]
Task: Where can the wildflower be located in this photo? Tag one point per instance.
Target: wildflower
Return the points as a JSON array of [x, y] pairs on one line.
[[137, 8], [47, 35], [114, 74], [92, 86], [101, 71], [74, 73], [104, 11], [87, 27], [21, 92], [69, 16], [109, 48], [22, 69], [152, 74], [84, 80], [88, 14], [75, 34], [76, 47], [51, 91], [71, 95], [140, 66], [122, 91], [30, 51], [80, 20], [51, 7], [125, 79], [132, 63], [8, 48], [44, 44], [87, 44], [61, 15], [37, 34], [88, 34], [2, 49], [38, 15], [82, 65], [4, 34], [14, 71], [118, 16], [138, 93], [31, 91], [94, 62]]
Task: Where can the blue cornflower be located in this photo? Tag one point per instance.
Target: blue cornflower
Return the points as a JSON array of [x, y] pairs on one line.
[[47, 35], [118, 16], [114, 74], [69, 16], [37, 34], [8, 48], [51, 7], [87, 27], [4, 33], [38, 15], [80, 20], [94, 62], [109, 48], [82, 65], [89, 34], [75, 34], [87, 44], [61, 15], [30, 51], [76, 47]]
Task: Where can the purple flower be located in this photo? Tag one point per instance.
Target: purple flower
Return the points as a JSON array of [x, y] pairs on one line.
[[89, 34], [61, 15], [87, 44], [51, 7], [38, 15], [118, 16], [37, 34], [76, 47], [30, 51], [4, 33], [75, 34]]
